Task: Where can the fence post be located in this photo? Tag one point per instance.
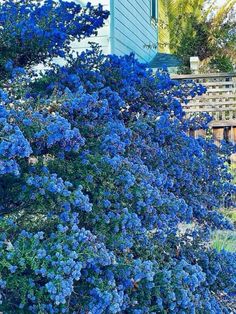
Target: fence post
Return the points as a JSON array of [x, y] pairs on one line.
[[194, 65]]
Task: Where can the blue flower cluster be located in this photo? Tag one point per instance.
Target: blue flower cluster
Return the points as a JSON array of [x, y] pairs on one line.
[[32, 32], [56, 262], [107, 180], [117, 138], [57, 130], [13, 145], [62, 192]]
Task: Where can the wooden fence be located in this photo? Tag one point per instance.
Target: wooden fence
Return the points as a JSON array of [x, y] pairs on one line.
[[219, 101]]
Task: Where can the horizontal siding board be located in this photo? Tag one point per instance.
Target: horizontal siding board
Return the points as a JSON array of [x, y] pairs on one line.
[[128, 29], [133, 29], [128, 48], [104, 31], [136, 6], [128, 36], [103, 41], [103, 35], [84, 44], [132, 43], [140, 9], [138, 13], [122, 49], [94, 2], [140, 28]]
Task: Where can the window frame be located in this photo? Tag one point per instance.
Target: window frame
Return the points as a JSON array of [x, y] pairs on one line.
[[154, 12]]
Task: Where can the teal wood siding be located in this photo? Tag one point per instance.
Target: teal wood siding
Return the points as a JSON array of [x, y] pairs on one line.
[[133, 29], [128, 29]]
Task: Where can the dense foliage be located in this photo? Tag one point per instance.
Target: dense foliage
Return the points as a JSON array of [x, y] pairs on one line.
[[215, 46], [98, 178], [199, 28], [36, 31]]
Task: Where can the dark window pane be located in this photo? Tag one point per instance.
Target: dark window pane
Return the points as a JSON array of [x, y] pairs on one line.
[[154, 9]]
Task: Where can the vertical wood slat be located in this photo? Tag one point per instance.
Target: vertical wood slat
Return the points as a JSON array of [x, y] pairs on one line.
[[234, 131], [218, 134], [232, 134]]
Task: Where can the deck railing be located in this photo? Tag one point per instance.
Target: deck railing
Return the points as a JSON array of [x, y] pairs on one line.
[[220, 99]]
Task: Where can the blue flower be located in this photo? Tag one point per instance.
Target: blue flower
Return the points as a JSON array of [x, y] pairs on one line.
[[13, 268], [107, 204]]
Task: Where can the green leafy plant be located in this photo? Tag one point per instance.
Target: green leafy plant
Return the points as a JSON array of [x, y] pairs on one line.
[[224, 240], [200, 28]]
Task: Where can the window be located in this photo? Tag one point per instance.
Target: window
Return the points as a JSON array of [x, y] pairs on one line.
[[154, 10]]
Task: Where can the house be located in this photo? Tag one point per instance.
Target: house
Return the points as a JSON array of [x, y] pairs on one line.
[[132, 27]]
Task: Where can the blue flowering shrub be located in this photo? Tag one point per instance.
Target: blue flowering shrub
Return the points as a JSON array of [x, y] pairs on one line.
[[98, 178], [36, 31]]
